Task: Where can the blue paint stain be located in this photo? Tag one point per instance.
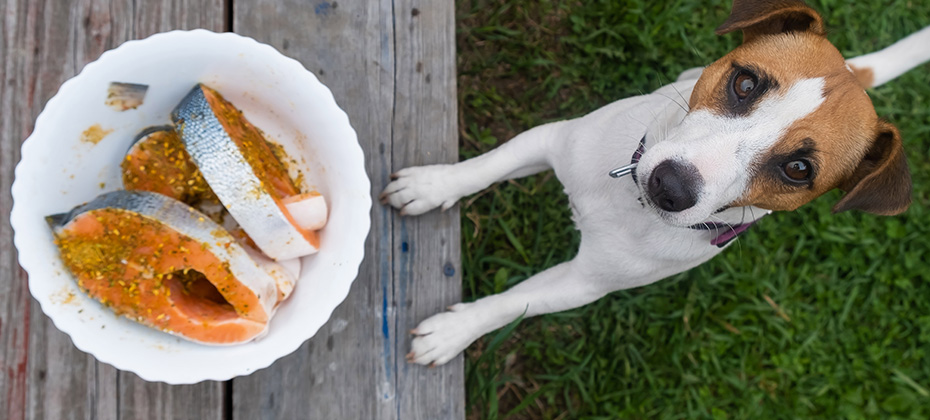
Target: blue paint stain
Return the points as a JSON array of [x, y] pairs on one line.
[[386, 332], [323, 8], [384, 318], [404, 276], [385, 264], [386, 50], [448, 270]]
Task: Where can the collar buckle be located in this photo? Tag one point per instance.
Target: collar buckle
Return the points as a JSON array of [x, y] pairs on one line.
[[623, 171], [631, 168]]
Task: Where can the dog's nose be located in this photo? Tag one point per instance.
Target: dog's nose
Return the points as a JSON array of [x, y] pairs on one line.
[[673, 185]]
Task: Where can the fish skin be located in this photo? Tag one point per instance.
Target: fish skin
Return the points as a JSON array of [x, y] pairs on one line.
[[189, 222], [145, 133], [56, 220], [233, 180], [125, 96]]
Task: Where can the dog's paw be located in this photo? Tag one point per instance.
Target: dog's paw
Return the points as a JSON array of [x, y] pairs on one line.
[[419, 189], [441, 337]]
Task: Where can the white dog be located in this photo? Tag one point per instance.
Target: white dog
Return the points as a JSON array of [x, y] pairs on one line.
[[772, 125]]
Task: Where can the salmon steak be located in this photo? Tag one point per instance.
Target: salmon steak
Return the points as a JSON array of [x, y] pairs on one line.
[[162, 263], [242, 170], [158, 162]]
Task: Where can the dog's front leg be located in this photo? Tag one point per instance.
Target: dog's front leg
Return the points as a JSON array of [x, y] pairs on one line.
[[441, 337], [419, 189]]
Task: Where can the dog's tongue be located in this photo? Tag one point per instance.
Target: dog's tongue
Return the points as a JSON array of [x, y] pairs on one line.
[[729, 234]]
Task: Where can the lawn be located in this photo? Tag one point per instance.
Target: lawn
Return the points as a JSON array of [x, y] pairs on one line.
[[808, 315]]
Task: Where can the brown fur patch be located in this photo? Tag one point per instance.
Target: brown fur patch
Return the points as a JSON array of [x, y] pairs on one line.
[[864, 75], [881, 184], [766, 17]]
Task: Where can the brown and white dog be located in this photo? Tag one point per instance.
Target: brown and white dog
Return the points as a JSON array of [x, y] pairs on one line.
[[772, 125]]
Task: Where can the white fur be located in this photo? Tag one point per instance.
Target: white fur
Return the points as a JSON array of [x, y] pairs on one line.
[[900, 57], [624, 244]]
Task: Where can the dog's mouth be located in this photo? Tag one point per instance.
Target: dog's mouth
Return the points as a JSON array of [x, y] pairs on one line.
[[713, 225], [724, 232]]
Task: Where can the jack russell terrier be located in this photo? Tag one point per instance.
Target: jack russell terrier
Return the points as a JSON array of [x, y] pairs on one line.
[[772, 125]]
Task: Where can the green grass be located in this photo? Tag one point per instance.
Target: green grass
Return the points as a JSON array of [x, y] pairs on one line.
[[809, 315]]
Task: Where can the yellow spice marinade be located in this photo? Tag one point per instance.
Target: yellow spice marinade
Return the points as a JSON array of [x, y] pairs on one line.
[[148, 272], [258, 152], [159, 163]]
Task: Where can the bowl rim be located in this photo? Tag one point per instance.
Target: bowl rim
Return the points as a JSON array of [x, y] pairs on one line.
[[261, 360]]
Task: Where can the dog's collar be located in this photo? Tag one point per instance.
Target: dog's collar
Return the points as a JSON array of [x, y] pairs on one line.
[[727, 232]]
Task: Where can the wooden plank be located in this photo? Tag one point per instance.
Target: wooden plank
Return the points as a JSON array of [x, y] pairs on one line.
[[354, 367], [45, 43], [347, 370], [150, 17], [63, 382], [143, 400], [14, 297], [428, 266], [50, 378]]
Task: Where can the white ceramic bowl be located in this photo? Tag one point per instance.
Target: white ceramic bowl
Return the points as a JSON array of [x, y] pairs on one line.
[[59, 171]]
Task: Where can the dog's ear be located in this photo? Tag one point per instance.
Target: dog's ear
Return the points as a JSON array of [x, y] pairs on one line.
[[881, 184], [766, 17]]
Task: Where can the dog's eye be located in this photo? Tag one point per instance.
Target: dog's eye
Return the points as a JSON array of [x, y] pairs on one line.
[[797, 170], [743, 84]]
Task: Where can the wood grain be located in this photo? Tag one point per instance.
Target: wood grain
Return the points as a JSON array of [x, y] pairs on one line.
[[369, 54], [43, 376], [427, 270], [143, 400]]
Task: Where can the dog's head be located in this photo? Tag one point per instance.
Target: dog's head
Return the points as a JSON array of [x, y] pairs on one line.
[[774, 124]]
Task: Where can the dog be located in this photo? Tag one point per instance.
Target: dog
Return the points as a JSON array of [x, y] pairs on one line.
[[775, 123]]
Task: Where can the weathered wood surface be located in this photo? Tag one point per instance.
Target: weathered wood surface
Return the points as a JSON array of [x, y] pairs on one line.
[[428, 270], [391, 66], [44, 377]]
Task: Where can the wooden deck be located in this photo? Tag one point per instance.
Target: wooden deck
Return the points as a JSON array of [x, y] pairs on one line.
[[391, 66]]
